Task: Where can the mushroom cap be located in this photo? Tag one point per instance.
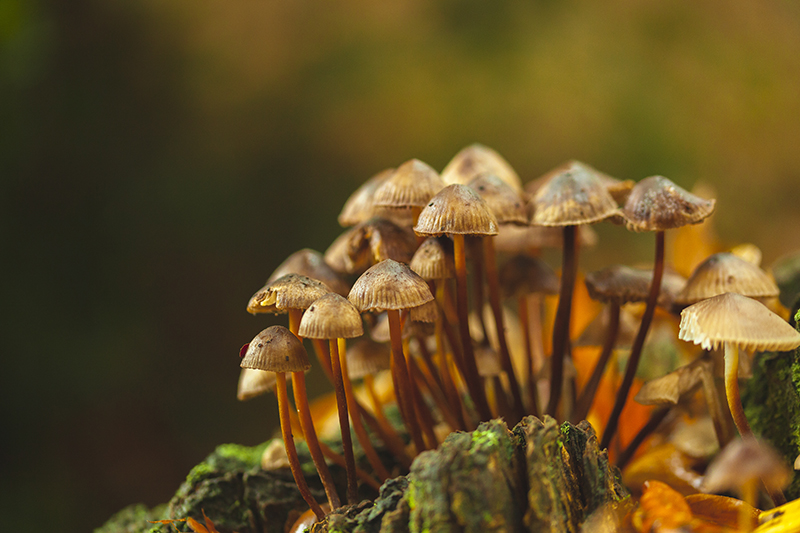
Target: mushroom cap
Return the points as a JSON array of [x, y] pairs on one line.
[[523, 274], [311, 263], [743, 460], [670, 388], [338, 254], [573, 196], [505, 202], [331, 317], [254, 383], [657, 204], [725, 272], [367, 357], [276, 349], [411, 185], [292, 291], [623, 284], [514, 239], [434, 259], [739, 320], [456, 209], [427, 312], [618, 189], [358, 206], [476, 159], [380, 239], [389, 285]]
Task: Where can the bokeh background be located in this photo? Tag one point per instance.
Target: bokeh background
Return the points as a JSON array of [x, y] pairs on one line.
[[159, 159]]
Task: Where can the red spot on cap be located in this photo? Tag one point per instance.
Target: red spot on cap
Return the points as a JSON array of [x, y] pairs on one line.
[[243, 349]]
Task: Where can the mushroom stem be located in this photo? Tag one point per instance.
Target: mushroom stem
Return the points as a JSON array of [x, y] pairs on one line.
[[421, 408], [750, 497], [524, 320], [586, 399], [291, 451], [402, 381], [732, 390], [310, 434], [493, 280], [358, 426], [561, 326], [344, 424], [656, 417], [426, 378], [470, 367], [714, 405], [638, 343], [448, 385]]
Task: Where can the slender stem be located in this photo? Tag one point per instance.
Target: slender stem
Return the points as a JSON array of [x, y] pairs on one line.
[[503, 408], [638, 343], [423, 376], [358, 426], [561, 326], [712, 401], [402, 381], [493, 280], [476, 253], [421, 408], [344, 424], [380, 415], [532, 390], [750, 497], [656, 417], [471, 377], [448, 386], [291, 451], [307, 425], [732, 390], [586, 399]]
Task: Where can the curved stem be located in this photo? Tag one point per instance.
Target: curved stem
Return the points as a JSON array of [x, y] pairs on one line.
[[361, 433], [561, 326], [638, 343], [402, 381], [310, 434], [471, 377], [493, 280], [344, 424], [586, 399], [732, 390], [291, 451]]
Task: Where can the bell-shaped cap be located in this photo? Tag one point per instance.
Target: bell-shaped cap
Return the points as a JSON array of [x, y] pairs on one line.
[[477, 159], [523, 274], [291, 291], [622, 284], [367, 357], [359, 206], [389, 285], [739, 320], [744, 460], [276, 349], [725, 272], [657, 204], [670, 388], [311, 264], [456, 209], [618, 189], [434, 259], [331, 317], [505, 202], [380, 239], [254, 383], [411, 185], [338, 254], [517, 239], [572, 197]]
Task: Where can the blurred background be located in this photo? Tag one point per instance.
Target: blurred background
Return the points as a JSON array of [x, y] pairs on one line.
[[159, 159]]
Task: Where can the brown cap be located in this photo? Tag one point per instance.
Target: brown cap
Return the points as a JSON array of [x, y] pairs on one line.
[[310, 263], [358, 207], [573, 196], [380, 239], [743, 460], [434, 259], [476, 159], [389, 285], [523, 274], [725, 272], [622, 284], [411, 185], [338, 255], [331, 317], [457, 209], [276, 349], [618, 189], [291, 291], [427, 312], [254, 383], [505, 202], [657, 204], [739, 320], [367, 357], [670, 388], [514, 239]]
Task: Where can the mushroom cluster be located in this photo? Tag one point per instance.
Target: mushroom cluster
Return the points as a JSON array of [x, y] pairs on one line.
[[441, 280]]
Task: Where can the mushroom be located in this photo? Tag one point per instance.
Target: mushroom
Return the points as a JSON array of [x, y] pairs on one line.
[[477, 159], [726, 272], [310, 263], [655, 204], [457, 211], [403, 195], [278, 350], [573, 196], [358, 206]]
